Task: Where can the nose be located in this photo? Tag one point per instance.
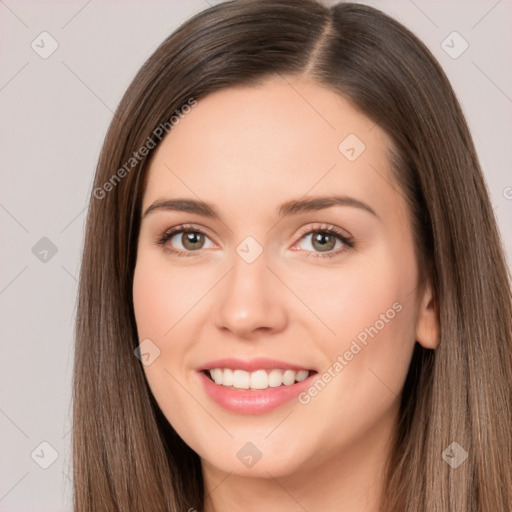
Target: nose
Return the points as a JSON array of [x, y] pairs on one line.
[[249, 301]]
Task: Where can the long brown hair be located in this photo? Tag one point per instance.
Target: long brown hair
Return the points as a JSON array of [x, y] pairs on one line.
[[126, 456]]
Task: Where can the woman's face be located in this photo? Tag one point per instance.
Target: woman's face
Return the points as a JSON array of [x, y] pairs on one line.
[[295, 281]]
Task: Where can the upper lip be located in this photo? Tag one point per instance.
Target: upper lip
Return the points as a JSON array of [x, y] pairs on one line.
[[250, 365]]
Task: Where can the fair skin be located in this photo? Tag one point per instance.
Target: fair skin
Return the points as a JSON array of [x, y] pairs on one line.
[[246, 151]]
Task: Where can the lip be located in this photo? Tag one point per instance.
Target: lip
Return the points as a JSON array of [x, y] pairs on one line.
[[259, 363], [242, 401]]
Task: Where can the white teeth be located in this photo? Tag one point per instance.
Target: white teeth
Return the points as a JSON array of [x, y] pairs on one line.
[[217, 375], [301, 375], [259, 379], [241, 379], [227, 377], [275, 378], [288, 377]]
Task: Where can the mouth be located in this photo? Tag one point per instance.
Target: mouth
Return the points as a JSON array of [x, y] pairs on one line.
[[256, 386]]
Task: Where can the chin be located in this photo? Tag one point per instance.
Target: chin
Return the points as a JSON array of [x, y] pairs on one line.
[[260, 458]]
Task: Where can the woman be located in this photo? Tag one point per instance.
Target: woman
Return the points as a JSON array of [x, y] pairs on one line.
[[293, 294]]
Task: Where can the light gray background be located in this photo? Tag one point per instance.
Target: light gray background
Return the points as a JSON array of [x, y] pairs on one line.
[[54, 115]]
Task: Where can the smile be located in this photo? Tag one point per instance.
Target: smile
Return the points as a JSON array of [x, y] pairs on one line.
[[259, 379], [253, 387]]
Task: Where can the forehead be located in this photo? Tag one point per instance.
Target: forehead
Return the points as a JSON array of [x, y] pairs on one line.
[[247, 147]]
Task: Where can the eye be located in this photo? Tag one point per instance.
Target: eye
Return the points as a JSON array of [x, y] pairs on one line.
[[185, 239], [324, 241]]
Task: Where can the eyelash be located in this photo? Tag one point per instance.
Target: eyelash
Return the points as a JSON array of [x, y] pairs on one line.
[[348, 242]]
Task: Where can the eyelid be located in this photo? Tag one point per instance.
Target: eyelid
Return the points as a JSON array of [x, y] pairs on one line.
[[342, 233]]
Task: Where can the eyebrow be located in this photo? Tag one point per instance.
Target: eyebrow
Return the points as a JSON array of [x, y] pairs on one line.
[[292, 207]]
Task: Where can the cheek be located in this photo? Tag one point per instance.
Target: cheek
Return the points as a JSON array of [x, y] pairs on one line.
[[372, 310], [160, 299], [374, 297], [164, 294], [152, 301], [170, 305]]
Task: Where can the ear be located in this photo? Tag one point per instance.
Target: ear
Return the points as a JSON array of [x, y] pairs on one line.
[[427, 326]]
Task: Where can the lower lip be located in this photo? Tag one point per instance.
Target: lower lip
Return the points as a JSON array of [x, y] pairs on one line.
[[245, 401]]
